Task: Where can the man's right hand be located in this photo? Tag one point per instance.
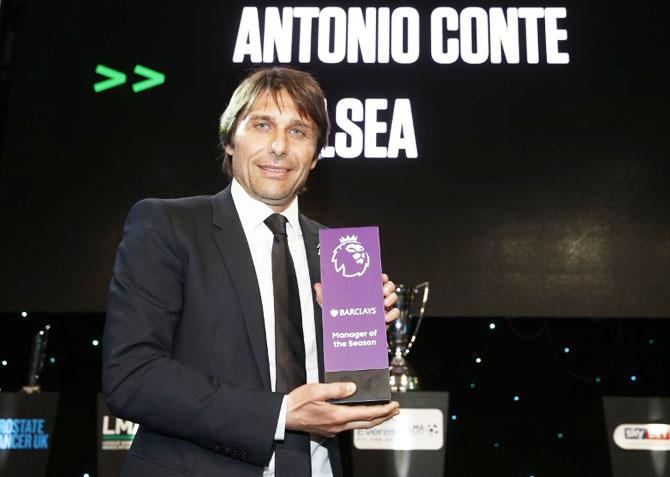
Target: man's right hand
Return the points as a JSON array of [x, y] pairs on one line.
[[308, 410]]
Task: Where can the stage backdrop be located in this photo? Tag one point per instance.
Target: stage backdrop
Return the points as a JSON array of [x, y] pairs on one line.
[[514, 155]]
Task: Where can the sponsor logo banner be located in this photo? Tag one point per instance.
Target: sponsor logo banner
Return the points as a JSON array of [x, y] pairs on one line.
[[412, 429], [23, 434], [117, 434], [642, 437]]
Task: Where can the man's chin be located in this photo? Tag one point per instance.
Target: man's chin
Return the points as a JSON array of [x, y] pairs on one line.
[[276, 198]]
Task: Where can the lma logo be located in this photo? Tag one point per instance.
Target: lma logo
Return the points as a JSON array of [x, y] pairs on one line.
[[350, 258], [642, 436], [117, 434]]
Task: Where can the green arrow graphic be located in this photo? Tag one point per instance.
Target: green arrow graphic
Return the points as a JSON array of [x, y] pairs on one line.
[[115, 78], [153, 78]]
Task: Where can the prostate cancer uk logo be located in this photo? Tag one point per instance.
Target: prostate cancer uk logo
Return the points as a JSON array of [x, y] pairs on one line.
[[23, 434], [350, 258]]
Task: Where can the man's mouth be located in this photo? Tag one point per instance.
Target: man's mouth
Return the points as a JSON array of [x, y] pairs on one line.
[[274, 170]]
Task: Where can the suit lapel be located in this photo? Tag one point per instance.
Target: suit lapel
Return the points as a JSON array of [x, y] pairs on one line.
[[311, 237], [234, 249]]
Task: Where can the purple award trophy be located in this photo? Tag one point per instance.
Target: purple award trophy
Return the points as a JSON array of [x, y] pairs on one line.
[[354, 331]]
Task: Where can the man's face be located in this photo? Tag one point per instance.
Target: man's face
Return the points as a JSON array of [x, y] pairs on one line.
[[273, 150]]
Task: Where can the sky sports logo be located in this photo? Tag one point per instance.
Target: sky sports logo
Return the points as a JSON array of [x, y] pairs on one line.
[[642, 436], [642, 433]]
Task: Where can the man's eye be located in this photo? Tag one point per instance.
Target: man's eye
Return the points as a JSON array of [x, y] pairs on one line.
[[262, 126], [297, 132]]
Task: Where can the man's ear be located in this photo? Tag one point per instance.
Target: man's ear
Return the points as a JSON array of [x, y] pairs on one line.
[[229, 149]]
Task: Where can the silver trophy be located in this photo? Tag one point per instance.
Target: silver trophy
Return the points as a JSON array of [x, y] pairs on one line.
[[402, 334], [37, 357]]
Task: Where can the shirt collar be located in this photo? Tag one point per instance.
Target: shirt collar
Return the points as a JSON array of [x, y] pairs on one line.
[[253, 212]]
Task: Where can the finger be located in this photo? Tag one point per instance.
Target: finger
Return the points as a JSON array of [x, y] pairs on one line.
[[367, 412], [371, 423], [391, 315], [389, 287], [326, 392], [379, 420], [349, 426], [319, 293], [388, 417], [390, 300]]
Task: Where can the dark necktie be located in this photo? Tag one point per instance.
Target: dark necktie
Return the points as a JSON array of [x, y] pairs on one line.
[[292, 456]]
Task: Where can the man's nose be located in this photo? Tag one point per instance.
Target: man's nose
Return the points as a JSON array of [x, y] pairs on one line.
[[278, 145]]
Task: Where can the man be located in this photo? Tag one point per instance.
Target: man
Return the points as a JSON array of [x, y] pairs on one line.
[[212, 328]]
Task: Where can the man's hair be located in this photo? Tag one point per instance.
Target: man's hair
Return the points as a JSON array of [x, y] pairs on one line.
[[300, 86]]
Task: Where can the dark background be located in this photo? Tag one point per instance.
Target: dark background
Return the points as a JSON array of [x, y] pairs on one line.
[[492, 434], [540, 190]]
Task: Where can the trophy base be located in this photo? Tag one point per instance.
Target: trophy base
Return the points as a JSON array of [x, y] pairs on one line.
[[372, 385], [402, 377], [401, 383], [31, 389]]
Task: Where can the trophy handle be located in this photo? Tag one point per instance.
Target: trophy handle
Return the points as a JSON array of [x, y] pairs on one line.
[[422, 309]]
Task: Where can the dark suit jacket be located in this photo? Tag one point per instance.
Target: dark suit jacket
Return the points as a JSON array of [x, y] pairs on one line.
[[184, 350]]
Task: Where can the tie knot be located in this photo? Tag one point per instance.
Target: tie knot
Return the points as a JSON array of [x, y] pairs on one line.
[[276, 223]]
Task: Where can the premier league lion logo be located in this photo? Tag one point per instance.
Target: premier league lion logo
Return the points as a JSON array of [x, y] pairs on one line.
[[350, 258]]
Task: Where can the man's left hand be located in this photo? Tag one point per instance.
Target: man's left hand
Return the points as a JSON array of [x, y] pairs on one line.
[[390, 298]]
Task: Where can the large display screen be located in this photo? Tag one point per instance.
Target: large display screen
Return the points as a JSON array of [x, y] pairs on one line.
[[514, 155]]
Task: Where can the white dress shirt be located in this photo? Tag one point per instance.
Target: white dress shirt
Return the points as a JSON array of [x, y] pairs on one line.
[[252, 213]]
